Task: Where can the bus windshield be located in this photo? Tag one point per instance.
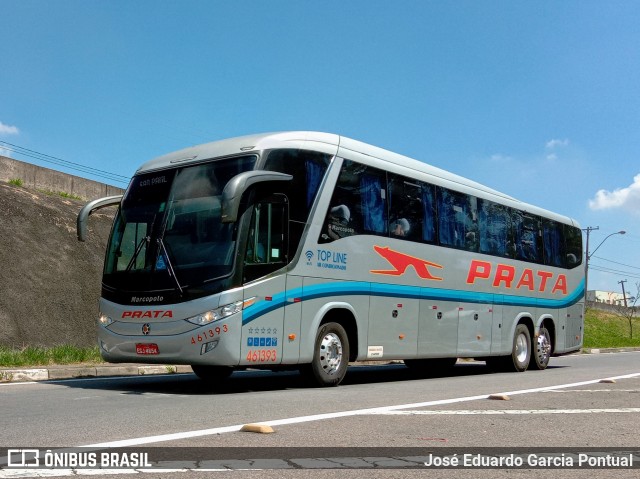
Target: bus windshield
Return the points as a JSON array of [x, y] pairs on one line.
[[168, 233]]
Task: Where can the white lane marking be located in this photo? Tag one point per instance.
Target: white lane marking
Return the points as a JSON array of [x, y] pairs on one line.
[[334, 415], [596, 391], [524, 412]]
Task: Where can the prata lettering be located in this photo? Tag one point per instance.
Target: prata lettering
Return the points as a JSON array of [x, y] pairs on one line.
[[148, 314], [508, 277]]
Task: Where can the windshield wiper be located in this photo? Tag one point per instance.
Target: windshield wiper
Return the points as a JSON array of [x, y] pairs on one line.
[[142, 242], [172, 273]]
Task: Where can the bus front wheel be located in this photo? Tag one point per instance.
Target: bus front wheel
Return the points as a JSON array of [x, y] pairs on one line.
[[330, 356]]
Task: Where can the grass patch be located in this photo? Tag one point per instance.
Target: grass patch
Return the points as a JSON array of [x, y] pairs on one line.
[[603, 329], [69, 195], [62, 194], [16, 182], [36, 356]]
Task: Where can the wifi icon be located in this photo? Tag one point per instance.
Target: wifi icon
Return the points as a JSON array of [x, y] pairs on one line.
[[309, 254]]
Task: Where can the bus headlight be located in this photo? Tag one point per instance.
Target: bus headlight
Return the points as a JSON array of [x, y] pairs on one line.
[[221, 312], [104, 320]]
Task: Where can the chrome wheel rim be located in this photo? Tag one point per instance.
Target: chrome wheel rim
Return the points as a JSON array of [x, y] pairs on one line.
[[543, 348], [522, 349], [330, 353]]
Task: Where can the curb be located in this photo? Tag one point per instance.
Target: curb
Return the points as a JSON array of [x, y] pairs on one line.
[[11, 375], [609, 350]]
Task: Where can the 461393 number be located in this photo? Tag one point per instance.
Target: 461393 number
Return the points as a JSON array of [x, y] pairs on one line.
[[209, 333], [262, 355]]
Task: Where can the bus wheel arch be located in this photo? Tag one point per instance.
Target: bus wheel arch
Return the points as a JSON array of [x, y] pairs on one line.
[[335, 344], [346, 319]]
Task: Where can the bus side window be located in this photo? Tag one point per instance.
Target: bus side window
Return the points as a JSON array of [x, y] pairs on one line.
[[372, 196], [405, 208], [428, 195], [344, 216], [573, 246], [457, 220], [552, 243], [493, 228], [527, 233]]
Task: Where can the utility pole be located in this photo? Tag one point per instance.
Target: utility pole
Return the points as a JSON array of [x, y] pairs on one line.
[[588, 230], [624, 295]]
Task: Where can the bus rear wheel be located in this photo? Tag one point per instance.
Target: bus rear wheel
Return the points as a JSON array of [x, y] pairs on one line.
[[521, 351], [330, 356], [212, 373], [541, 350], [520, 355]]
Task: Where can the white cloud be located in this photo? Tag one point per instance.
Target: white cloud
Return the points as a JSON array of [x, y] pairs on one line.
[[626, 198], [8, 129], [555, 143]]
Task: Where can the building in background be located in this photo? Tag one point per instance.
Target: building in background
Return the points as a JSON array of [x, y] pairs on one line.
[[606, 297]]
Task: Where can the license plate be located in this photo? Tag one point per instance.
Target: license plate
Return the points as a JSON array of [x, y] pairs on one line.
[[147, 349]]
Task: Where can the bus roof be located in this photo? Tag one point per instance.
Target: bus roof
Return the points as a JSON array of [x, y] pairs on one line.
[[332, 144]]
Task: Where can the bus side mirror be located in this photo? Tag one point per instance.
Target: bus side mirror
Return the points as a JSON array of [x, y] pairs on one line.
[[233, 191], [89, 208]]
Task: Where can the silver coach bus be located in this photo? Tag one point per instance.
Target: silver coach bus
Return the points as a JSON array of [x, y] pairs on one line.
[[310, 250]]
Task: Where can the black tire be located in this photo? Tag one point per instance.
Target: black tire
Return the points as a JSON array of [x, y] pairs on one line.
[[520, 356], [521, 351], [212, 373], [330, 356], [541, 350]]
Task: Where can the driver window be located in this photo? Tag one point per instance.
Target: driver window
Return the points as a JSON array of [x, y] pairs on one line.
[[266, 248]]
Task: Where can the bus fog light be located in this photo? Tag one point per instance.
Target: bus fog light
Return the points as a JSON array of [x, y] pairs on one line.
[[206, 347], [104, 320]]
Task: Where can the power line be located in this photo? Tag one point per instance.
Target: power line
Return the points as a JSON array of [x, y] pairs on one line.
[[615, 272], [64, 163], [615, 262]]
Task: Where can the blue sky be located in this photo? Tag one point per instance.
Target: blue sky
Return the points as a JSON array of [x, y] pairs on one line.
[[540, 99]]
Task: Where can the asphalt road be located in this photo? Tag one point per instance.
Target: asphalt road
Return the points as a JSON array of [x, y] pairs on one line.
[[376, 406]]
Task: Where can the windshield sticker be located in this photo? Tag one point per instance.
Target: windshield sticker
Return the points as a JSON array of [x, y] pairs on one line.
[[158, 180], [160, 264]]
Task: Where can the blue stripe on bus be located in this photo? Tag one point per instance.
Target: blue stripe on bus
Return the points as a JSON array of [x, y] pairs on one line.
[[349, 288]]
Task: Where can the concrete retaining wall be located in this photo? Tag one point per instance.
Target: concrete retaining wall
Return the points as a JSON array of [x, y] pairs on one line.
[[40, 178]]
